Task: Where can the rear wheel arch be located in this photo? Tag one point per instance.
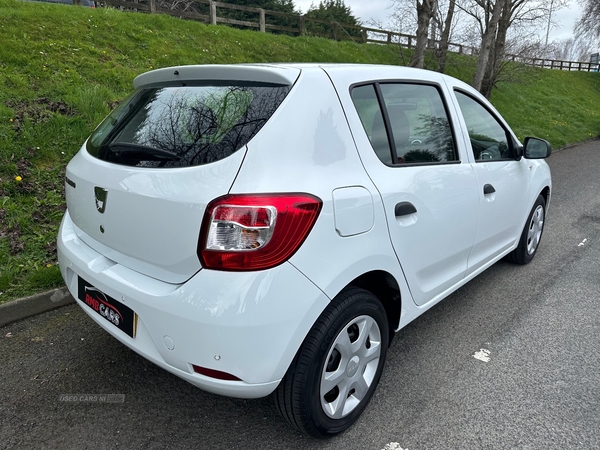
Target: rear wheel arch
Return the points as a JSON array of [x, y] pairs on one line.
[[384, 286]]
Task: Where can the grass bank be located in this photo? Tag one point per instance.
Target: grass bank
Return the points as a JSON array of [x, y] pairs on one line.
[[63, 68]]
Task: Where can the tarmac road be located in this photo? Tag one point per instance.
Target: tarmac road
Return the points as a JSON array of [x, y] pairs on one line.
[[536, 384]]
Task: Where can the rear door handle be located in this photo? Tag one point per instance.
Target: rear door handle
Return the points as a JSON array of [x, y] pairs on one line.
[[404, 209], [488, 189]]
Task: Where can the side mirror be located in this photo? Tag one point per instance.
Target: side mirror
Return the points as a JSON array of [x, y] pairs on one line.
[[535, 148]]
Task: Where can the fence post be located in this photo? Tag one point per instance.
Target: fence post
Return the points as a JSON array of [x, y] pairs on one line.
[[213, 12], [335, 30], [364, 35], [409, 42], [261, 20], [302, 25], [152, 4]]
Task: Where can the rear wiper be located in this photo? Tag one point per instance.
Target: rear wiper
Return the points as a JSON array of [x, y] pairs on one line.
[[142, 151]]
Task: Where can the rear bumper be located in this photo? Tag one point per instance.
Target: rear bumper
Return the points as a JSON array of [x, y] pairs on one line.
[[249, 325]]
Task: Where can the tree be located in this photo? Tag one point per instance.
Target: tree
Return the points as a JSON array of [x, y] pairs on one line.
[[332, 11], [425, 11], [496, 19], [489, 29], [571, 49], [588, 25], [494, 24], [442, 24], [442, 49]]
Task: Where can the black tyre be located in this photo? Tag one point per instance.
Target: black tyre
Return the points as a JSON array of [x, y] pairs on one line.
[[532, 234], [335, 372]]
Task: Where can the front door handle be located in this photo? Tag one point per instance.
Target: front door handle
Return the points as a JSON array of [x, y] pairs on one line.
[[488, 189], [404, 209]]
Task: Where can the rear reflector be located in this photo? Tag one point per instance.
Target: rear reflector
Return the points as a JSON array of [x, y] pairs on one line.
[[254, 232], [215, 373]]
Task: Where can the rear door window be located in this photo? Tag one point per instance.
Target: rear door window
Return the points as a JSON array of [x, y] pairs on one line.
[[414, 120], [182, 126], [367, 105]]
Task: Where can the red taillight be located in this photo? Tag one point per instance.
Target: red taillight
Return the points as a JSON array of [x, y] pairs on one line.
[[253, 232]]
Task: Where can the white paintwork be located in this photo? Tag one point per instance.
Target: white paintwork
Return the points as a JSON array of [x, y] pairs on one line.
[[255, 321], [434, 249], [142, 222], [432, 245], [353, 210], [497, 228], [319, 141], [251, 324]]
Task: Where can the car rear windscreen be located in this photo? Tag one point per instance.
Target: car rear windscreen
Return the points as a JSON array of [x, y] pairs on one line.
[[182, 126]]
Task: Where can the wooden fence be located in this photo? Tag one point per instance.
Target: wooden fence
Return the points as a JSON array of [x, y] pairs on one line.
[[556, 64], [207, 11]]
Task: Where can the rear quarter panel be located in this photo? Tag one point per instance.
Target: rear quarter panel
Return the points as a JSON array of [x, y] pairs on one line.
[[307, 147]]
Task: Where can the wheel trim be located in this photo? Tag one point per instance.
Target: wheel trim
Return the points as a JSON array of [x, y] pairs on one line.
[[358, 349], [534, 233]]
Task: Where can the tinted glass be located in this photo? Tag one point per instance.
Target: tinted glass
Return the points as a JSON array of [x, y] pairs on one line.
[[488, 138], [367, 106], [419, 123], [175, 126]]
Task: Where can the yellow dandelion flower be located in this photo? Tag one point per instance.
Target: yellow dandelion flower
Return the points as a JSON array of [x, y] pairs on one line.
[[18, 178], [48, 265]]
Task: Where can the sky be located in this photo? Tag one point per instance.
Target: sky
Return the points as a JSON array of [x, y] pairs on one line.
[[379, 10]]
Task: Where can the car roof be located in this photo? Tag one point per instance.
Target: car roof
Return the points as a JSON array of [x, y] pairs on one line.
[[287, 74], [276, 73]]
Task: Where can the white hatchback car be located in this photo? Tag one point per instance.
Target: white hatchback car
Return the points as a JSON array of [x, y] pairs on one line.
[[267, 228]]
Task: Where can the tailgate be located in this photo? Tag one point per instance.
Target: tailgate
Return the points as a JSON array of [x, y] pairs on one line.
[[145, 219]]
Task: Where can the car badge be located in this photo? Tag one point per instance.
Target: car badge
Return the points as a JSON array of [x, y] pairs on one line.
[[101, 194]]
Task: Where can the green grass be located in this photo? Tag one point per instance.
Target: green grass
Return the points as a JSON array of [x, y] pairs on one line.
[[562, 107], [63, 68]]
